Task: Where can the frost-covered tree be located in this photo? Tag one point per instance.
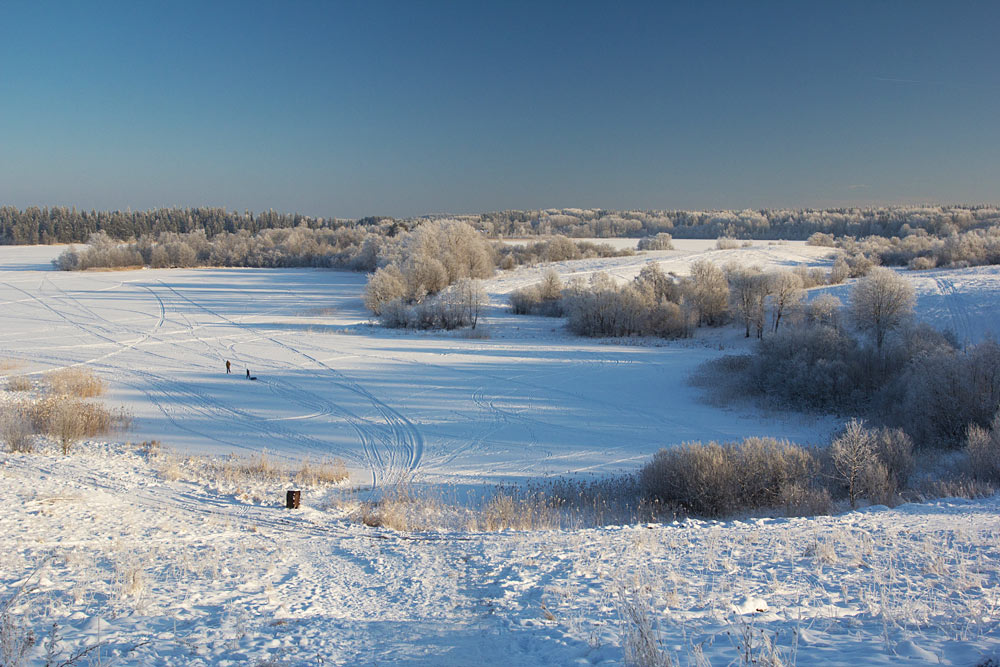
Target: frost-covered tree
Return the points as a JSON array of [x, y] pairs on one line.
[[880, 302], [384, 286], [709, 292], [852, 452], [786, 292]]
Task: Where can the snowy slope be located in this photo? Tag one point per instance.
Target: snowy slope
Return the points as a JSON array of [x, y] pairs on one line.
[[171, 573]]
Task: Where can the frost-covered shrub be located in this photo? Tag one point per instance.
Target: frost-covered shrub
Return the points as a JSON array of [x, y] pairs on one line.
[[726, 243], [458, 306], [982, 446], [839, 272], [894, 449], [811, 367], [943, 390], [872, 463], [825, 309], [860, 264], [606, 309], [713, 479], [810, 277], [662, 241], [922, 263], [541, 299], [426, 261], [554, 249], [821, 239], [16, 430], [853, 456]]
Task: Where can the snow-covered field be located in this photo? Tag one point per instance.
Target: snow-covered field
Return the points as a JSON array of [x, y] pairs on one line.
[[180, 572], [530, 400]]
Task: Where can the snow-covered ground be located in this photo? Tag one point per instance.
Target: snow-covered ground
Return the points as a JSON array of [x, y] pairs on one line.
[[199, 575]]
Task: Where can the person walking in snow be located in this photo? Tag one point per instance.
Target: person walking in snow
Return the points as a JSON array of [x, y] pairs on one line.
[[248, 373], [228, 366]]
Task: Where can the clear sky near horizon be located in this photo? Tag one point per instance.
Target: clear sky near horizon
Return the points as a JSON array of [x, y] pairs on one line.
[[406, 108]]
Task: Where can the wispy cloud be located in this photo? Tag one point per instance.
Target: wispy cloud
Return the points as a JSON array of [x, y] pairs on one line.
[[927, 82]]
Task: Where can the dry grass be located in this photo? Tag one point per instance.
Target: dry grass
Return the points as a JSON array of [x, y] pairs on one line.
[[19, 383], [77, 382], [508, 511], [7, 364], [255, 477], [321, 473]]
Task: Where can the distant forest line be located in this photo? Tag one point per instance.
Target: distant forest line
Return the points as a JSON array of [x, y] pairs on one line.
[[50, 225]]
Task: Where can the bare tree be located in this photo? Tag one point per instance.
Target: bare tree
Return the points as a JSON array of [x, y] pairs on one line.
[[880, 302], [472, 297]]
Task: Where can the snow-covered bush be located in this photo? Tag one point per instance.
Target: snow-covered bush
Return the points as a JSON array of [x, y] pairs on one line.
[[554, 249], [821, 239]]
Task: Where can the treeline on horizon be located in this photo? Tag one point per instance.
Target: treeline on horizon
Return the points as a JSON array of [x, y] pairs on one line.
[[51, 225]]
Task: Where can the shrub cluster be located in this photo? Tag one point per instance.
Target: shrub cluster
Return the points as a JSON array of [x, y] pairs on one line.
[[982, 446], [545, 298], [456, 306], [554, 249], [759, 474], [872, 464], [718, 479], [355, 248], [640, 308], [920, 250], [662, 241], [664, 305]]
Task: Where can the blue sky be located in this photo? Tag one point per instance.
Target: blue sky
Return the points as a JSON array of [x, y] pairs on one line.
[[406, 108]]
